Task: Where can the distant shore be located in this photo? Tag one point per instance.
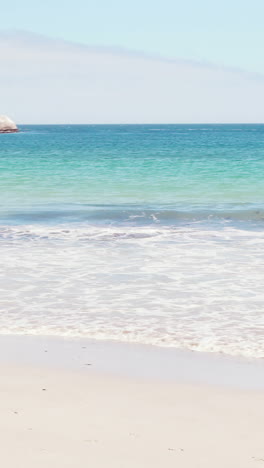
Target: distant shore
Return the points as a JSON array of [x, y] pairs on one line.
[[9, 131], [7, 125], [71, 402]]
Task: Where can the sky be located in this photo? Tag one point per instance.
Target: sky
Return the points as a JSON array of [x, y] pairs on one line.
[[160, 54]]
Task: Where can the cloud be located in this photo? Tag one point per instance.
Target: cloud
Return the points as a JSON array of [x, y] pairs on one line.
[[44, 80]]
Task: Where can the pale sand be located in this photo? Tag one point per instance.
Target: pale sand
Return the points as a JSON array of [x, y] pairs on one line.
[[65, 416]]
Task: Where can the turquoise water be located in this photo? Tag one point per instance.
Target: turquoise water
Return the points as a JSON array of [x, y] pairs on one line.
[[197, 169], [150, 233]]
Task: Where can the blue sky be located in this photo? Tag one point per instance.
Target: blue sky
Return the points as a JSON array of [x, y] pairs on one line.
[[226, 32], [82, 62]]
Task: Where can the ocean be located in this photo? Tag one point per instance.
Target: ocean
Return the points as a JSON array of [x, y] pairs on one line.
[[138, 233]]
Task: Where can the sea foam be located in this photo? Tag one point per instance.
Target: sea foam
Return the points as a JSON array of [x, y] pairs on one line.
[[186, 287]]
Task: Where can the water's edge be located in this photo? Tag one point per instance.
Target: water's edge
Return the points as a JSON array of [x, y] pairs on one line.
[[132, 360]]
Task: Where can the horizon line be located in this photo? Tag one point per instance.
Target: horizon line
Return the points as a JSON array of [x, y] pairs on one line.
[[142, 123]]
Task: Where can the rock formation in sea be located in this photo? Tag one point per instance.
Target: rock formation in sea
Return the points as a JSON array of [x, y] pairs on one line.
[[7, 125]]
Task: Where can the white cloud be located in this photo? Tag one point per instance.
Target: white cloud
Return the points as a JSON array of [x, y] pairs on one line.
[[46, 80]]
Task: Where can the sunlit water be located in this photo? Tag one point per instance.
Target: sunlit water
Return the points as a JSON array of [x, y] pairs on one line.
[[151, 234]]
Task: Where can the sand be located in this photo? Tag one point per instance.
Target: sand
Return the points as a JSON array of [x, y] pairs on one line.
[[82, 416]]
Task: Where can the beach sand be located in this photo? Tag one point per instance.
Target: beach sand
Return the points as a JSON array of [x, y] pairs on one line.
[[74, 413]]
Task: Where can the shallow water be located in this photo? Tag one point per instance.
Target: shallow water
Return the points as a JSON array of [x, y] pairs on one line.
[[142, 233]]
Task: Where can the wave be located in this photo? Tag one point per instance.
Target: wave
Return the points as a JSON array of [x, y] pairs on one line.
[[94, 233], [185, 287], [88, 233], [136, 215]]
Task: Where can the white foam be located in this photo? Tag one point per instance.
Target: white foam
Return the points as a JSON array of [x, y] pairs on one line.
[[187, 288]]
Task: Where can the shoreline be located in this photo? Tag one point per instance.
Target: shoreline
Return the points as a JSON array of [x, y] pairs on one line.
[[132, 360], [68, 403]]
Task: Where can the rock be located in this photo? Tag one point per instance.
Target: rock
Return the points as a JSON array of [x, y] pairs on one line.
[[7, 125]]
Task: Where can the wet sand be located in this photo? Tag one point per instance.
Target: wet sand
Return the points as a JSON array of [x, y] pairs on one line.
[[76, 403]]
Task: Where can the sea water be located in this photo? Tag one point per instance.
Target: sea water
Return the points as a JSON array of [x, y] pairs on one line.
[[140, 233]]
